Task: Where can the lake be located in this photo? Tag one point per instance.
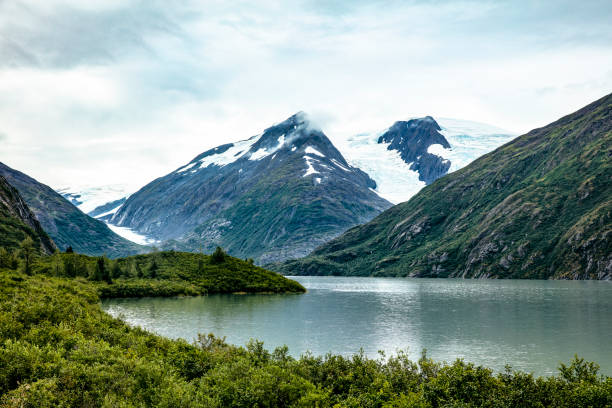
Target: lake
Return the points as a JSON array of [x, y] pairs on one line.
[[530, 325]]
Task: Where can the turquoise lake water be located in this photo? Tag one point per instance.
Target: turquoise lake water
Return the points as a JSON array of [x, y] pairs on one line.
[[530, 325]]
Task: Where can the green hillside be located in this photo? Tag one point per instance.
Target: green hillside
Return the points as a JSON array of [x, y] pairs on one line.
[[537, 207], [167, 274]]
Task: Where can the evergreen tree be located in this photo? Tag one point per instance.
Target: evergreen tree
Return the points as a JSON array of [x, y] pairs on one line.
[[27, 252], [102, 273], [5, 261], [69, 250], [116, 271], [70, 266], [201, 263], [56, 264], [153, 269], [218, 256]]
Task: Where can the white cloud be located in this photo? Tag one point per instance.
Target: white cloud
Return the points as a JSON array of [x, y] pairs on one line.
[[105, 92]]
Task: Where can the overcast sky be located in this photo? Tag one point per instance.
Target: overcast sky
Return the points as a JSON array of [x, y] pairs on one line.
[[102, 92]]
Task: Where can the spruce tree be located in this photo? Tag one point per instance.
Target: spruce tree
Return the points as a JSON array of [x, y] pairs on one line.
[[27, 252], [153, 269], [218, 256]]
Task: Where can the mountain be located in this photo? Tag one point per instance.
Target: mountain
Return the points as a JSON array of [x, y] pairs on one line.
[[65, 223], [18, 222], [537, 207], [407, 156], [274, 196], [412, 140]]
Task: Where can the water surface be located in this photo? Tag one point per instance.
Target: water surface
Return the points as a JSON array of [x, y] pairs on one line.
[[530, 325]]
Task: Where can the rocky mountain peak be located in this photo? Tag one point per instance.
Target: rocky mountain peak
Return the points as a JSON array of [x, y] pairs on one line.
[[413, 140]]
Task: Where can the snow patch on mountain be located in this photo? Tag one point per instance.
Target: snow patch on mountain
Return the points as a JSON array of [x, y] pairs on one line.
[[263, 152], [437, 149], [312, 150], [236, 151], [310, 169]]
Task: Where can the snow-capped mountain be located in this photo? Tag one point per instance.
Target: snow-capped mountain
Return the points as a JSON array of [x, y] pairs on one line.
[[401, 160], [405, 157], [271, 197]]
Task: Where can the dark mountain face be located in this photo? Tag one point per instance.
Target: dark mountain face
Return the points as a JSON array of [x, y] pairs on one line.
[[65, 223], [271, 197], [412, 139], [537, 207], [18, 222]]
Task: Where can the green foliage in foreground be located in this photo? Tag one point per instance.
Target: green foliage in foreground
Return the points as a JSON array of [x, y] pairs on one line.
[[58, 349], [166, 274]]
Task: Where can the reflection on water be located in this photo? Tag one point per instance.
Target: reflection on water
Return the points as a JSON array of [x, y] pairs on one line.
[[531, 325]]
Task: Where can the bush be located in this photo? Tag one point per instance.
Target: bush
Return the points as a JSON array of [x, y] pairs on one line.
[[57, 348]]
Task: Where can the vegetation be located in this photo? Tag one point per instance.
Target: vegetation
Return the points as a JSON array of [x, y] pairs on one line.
[[58, 349], [538, 207], [163, 274]]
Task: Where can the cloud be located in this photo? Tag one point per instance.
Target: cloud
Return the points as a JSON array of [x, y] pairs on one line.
[[116, 91], [62, 34]]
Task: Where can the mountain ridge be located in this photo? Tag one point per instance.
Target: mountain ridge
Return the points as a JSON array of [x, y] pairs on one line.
[[17, 221], [65, 223], [537, 207]]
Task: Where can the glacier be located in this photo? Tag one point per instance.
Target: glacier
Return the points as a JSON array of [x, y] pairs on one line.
[[395, 180]]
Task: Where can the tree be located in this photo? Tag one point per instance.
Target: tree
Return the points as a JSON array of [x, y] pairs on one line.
[[153, 269], [69, 250], [27, 252], [101, 272], [70, 266], [116, 271], [218, 256], [5, 259]]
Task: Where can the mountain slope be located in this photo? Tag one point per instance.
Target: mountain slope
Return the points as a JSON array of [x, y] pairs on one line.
[[65, 223], [537, 207], [18, 222], [274, 196]]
